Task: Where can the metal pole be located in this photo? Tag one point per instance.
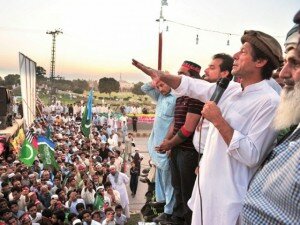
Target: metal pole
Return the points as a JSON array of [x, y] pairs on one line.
[[160, 46]]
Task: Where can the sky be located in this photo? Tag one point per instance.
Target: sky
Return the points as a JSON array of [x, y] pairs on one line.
[[101, 37]]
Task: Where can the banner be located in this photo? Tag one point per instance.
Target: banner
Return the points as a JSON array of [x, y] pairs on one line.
[[28, 88]]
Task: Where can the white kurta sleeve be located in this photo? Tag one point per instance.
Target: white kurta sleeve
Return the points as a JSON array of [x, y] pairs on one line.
[[195, 88], [251, 148], [125, 178]]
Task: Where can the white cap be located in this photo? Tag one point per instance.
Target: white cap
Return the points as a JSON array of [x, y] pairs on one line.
[[292, 38], [10, 175], [76, 221], [54, 197], [100, 187]]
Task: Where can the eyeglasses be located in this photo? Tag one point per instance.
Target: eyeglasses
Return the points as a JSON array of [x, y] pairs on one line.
[[111, 213]]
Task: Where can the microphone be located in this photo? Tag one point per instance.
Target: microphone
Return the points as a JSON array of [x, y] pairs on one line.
[[222, 84]]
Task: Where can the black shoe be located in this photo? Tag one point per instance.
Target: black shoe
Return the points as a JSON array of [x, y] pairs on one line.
[[162, 217]]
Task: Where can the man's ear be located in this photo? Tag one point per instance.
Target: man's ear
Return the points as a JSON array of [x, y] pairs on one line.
[[224, 73], [261, 63]]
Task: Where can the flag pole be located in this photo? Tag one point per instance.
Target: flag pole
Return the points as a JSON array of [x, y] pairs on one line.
[[90, 136], [29, 110]]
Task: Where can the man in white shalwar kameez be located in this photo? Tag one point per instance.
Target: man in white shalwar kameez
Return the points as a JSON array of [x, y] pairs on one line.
[[119, 181], [240, 131]]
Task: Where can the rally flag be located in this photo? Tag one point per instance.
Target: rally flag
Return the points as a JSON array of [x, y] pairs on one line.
[[28, 151], [46, 150], [20, 138], [87, 116]]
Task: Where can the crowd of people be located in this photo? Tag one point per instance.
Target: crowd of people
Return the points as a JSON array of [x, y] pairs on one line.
[[89, 185], [226, 146]]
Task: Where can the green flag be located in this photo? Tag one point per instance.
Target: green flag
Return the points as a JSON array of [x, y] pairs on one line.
[[99, 202], [87, 116], [27, 154], [46, 150]]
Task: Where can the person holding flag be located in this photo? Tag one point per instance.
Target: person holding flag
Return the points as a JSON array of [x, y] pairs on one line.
[[87, 116], [46, 150]]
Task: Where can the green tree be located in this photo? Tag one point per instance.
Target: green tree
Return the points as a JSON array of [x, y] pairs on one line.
[[64, 85], [78, 91], [80, 84], [108, 85], [40, 71], [137, 88], [2, 82], [12, 79], [40, 74]]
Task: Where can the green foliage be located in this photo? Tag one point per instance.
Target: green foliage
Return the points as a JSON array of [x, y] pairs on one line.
[[40, 71], [2, 82], [65, 85], [12, 79], [81, 84], [108, 85], [137, 88], [40, 75], [78, 91]]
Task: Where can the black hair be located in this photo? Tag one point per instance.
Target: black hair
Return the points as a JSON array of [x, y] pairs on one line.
[[47, 213], [11, 203], [107, 184], [226, 65], [267, 69], [118, 207], [4, 183], [30, 205], [108, 209], [84, 212], [71, 216], [79, 206], [16, 188], [60, 215]]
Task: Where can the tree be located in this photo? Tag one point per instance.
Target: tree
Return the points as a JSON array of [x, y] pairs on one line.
[[80, 84], [12, 79], [2, 82], [137, 88], [40, 75], [78, 90], [40, 71], [108, 85]]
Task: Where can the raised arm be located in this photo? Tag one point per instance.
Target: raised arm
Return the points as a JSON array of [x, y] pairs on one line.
[[171, 80], [148, 89], [182, 85]]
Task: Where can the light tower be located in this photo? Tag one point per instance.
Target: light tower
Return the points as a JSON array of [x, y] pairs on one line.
[[52, 67]]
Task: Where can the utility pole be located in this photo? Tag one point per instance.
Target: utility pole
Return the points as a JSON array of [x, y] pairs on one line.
[[52, 67], [160, 35]]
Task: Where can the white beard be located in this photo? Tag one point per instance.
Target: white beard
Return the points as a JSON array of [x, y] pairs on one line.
[[288, 111]]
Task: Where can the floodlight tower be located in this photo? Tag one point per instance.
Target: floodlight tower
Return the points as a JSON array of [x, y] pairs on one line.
[[52, 68]]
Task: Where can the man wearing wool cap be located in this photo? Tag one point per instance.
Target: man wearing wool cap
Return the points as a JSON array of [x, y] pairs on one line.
[[273, 195], [240, 131]]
